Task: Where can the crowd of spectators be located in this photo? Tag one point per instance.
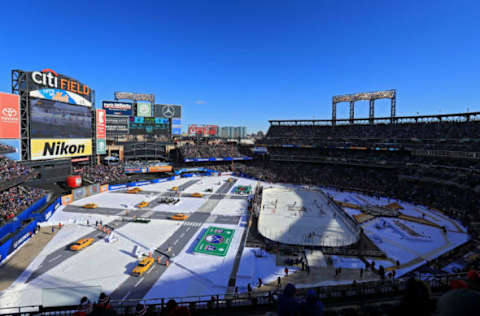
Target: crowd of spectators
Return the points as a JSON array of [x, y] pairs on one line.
[[463, 173], [205, 150], [144, 163], [16, 199], [102, 173], [10, 170], [448, 135], [422, 130]]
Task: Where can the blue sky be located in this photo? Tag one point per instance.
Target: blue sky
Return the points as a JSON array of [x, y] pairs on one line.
[[245, 62]]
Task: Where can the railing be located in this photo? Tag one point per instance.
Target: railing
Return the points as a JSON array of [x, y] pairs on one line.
[[362, 293]]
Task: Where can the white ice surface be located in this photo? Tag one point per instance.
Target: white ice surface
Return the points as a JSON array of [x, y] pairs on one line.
[[347, 262], [196, 274]]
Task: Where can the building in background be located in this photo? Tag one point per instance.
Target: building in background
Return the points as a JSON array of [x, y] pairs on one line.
[[233, 132]]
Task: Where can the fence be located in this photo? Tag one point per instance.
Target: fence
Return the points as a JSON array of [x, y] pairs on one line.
[[16, 232], [361, 294]]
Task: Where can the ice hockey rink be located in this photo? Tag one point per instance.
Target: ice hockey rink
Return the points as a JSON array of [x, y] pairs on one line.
[[107, 264], [298, 216]]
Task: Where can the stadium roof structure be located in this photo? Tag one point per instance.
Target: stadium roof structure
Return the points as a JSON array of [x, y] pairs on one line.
[[466, 116]]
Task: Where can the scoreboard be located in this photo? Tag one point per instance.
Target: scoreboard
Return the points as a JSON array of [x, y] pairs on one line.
[[148, 126]]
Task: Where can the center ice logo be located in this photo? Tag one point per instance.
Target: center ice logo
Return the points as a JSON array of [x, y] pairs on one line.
[[214, 239]]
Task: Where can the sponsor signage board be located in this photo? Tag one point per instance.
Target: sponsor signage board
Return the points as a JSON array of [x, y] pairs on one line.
[[67, 199], [48, 84], [134, 96], [60, 148], [101, 119], [116, 125], [202, 130], [144, 109], [9, 115], [11, 149], [117, 108], [168, 111], [215, 241], [160, 169], [101, 146]]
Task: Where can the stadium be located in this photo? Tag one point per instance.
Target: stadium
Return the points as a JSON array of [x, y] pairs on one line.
[[261, 158], [351, 208]]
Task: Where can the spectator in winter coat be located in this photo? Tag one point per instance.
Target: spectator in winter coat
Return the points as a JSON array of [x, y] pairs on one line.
[[312, 306], [103, 306], [85, 308], [287, 304]]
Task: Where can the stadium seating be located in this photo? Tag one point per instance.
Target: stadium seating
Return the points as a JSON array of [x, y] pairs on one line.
[[13, 197], [449, 135], [102, 173], [16, 199], [198, 150]]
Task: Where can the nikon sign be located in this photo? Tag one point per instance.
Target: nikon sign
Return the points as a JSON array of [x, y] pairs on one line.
[[60, 148]]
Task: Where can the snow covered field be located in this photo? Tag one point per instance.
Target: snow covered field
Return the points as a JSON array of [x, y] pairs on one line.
[[410, 251], [107, 265], [196, 274]]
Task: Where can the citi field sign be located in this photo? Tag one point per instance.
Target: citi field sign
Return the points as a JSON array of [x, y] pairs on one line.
[[48, 84]]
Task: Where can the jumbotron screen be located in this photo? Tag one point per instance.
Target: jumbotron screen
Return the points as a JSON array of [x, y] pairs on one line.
[[53, 119], [148, 126]]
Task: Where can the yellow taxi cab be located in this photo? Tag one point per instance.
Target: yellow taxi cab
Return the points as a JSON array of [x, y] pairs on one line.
[[196, 194], [179, 217], [142, 204], [174, 189], [142, 266], [230, 180], [82, 243], [90, 205], [134, 190]]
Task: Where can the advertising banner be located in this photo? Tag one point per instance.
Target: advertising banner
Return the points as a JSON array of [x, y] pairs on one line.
[[67, 199], [60, 148], [134, 96], [118, 108], [144, 109], [117, 125], [11, 148], [202, 130], [9, 115], [23, 235], [215, 241], [104, 188], [5, 249], [114, 187], [48, 84], [133, 170], [168, 111], [101, 120], [101, 146], [83, 192], [160, 169]]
